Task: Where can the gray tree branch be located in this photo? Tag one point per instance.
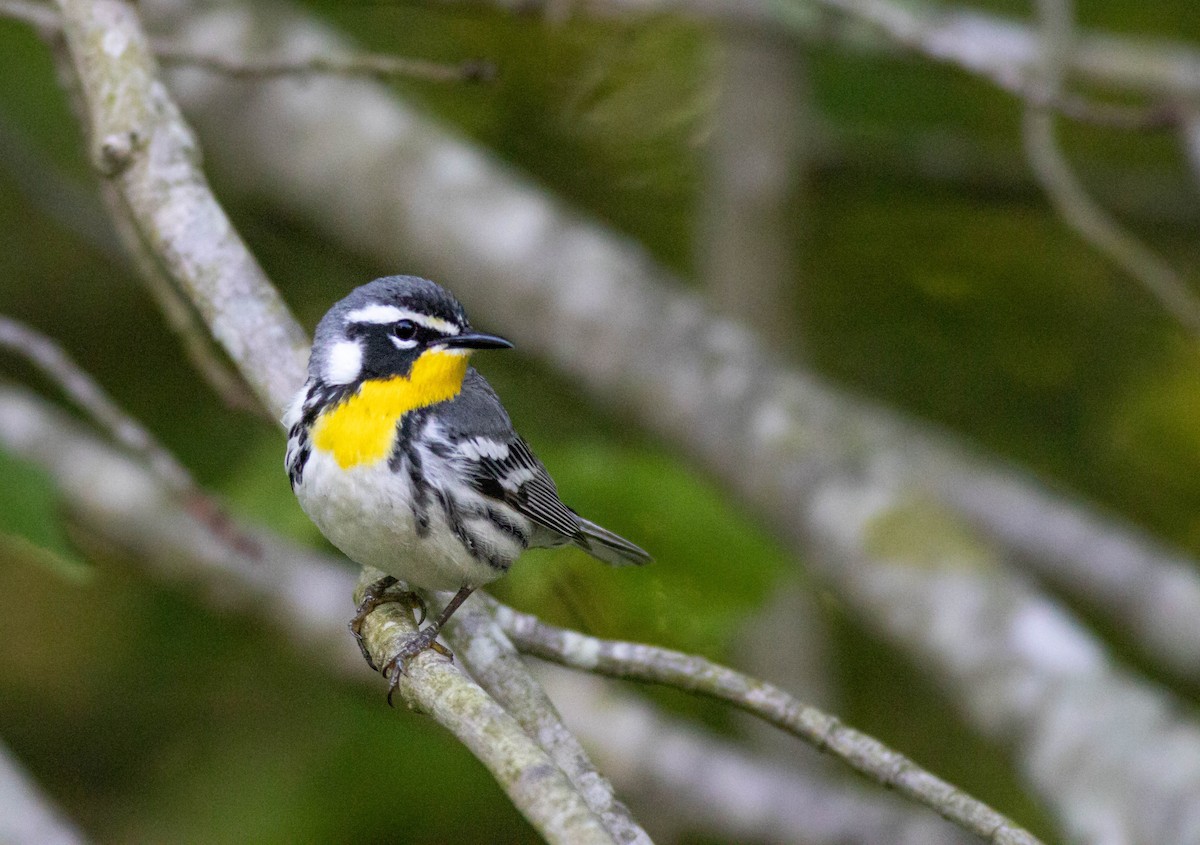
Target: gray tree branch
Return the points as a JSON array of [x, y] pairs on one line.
[[1003, 50], [1066, 192]]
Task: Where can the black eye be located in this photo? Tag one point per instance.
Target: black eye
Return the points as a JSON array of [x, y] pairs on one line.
[[405, 330]]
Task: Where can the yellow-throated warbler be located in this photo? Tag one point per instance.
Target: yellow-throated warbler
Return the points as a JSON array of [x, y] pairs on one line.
[[405, 459]]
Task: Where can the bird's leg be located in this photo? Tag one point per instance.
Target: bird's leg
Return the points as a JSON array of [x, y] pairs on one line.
[[375, 595], [426, 638]]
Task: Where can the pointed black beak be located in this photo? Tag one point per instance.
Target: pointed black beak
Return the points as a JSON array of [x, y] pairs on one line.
[[475, 340]]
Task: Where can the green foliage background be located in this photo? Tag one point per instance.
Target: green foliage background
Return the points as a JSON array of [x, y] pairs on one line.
[[965, 302]]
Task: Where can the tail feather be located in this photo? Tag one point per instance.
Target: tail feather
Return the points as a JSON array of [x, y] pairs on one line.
[[611, 548]]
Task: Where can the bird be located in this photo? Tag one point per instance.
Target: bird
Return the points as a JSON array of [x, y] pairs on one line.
[[403, 456]]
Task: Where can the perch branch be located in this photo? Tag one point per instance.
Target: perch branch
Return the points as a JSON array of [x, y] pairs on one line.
[[487, 653], [431, 684]]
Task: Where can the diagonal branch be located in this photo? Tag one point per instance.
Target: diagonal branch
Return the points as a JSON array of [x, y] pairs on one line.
[[492, 660], [433, 685], [140, 144]]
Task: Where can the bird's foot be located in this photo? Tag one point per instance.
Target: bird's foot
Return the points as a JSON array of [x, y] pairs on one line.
[[414, 645], [373, 597]]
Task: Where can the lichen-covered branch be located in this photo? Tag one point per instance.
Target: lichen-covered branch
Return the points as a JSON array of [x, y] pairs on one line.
[[431, 684], [487, 653], [865, 754]]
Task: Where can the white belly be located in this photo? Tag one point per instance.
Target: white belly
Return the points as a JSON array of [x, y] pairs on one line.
[[366, 512]]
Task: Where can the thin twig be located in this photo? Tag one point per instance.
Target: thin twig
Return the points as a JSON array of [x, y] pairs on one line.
[[371, 65], [917, 31], [1070, 198], [863, 753], [53, 361]]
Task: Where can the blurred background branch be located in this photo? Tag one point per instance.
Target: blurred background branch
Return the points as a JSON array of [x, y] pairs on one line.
[[27, 817], [1067, 194]]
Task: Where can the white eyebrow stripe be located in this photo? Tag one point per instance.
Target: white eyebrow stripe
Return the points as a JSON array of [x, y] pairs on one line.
[[383, 314]]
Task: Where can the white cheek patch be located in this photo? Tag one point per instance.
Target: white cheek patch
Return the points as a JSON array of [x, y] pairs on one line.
[[344, 362]]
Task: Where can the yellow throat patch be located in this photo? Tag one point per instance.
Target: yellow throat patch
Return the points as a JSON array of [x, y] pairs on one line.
[[362, 428]]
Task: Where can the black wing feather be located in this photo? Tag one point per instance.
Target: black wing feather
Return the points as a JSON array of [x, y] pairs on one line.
[[534, 497]]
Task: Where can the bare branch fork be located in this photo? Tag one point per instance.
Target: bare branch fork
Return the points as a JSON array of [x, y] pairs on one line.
[[1066, 192]]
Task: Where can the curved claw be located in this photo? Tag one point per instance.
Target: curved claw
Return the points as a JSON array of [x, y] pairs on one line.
[[414, 645], [375, 595]]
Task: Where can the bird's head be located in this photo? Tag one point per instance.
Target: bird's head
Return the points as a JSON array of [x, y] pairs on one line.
[[384, 328]]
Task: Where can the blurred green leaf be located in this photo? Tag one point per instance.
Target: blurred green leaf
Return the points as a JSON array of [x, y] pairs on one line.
[[31, 527]]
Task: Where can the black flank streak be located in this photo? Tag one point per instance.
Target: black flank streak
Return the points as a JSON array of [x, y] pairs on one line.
[[406, 450], [503, 523]]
